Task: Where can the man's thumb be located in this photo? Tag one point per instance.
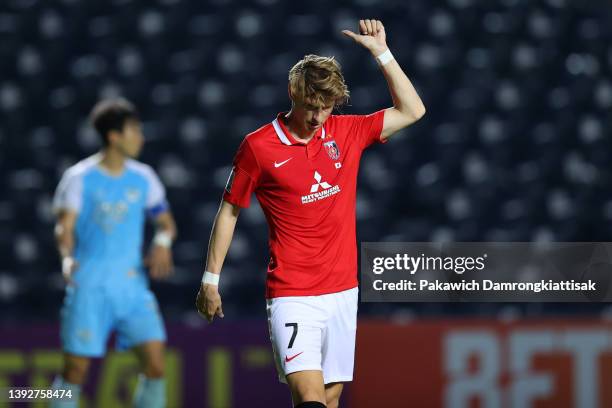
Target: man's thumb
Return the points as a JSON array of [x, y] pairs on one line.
[[349, 33]]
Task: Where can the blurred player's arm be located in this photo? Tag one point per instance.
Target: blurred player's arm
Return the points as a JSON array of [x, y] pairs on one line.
[[64, 238], [159, 259], [407, 105], [208, 301]]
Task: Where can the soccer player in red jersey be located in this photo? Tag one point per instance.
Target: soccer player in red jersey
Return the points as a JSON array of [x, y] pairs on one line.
[[303, 169]]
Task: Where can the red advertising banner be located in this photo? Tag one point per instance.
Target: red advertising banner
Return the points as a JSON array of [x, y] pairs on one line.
[[467, 363]]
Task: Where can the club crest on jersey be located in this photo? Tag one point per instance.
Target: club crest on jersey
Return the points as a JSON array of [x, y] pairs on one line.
[[332, 149], [132, 195]]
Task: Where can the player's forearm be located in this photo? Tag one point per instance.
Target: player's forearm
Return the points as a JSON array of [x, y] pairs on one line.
[[165, 227], [405, 98], [221, 236], [64, 239], [64, 233]]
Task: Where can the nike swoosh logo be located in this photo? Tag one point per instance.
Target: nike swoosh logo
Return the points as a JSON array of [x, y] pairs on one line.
[[288, 359], [277, 165]]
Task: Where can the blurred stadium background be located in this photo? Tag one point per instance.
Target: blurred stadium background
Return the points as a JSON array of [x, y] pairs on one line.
[[515, 147]]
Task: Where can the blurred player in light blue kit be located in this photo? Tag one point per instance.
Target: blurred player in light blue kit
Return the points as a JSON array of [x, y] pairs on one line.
[[101, 205]]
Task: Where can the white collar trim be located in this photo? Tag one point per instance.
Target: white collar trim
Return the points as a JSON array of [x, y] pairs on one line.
[[279, 132], [283, 137]]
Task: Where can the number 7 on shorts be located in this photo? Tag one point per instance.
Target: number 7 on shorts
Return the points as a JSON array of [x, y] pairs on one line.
[[295, 331]]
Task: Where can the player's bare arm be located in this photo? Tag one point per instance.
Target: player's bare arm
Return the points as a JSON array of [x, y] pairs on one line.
[[407, 105], [159, 259], [64, 236], [208, 301]]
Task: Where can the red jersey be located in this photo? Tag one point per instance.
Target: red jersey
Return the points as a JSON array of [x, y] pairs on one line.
[[308, 195]]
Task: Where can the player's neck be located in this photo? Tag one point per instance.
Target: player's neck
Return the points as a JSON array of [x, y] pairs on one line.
[[297, 131], [112, 161]]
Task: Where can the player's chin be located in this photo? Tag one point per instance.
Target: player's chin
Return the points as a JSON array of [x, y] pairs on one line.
[[134, 153]]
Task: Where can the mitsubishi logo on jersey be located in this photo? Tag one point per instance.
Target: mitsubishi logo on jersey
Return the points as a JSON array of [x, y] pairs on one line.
[[326, 190], [315, 186]]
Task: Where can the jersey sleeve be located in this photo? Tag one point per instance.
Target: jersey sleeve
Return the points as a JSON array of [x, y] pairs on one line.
[[69, 193], [364, 129], [156, 202], [244, 177]]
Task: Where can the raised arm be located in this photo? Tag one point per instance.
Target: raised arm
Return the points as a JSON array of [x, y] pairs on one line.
[[208, 301], [407, 105]]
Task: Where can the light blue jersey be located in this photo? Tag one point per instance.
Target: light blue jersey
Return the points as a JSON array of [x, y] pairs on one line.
[[110, 291], [111, 216]]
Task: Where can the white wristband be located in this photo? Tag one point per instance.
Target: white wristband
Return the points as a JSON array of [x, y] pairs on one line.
[[385, 57], [210, 278], [67, 265], [163, 239]]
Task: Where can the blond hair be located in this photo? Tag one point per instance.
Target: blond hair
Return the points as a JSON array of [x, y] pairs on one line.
[[318, 81]]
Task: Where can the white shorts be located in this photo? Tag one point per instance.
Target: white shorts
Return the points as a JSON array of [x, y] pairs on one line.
[[314, 333]]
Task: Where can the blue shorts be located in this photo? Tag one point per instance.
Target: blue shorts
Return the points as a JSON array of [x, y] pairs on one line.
[[90, 315]]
